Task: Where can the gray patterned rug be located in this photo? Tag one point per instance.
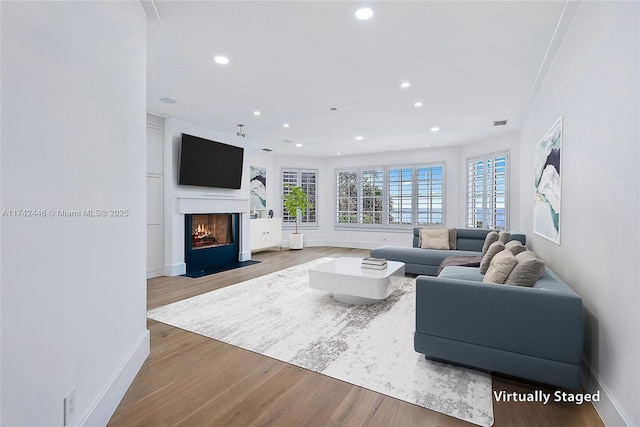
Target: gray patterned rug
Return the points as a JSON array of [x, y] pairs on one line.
[[277, 315]]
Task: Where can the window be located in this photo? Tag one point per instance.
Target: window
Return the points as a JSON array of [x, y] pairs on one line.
[[390, 196], [308, 180], [488, 192]]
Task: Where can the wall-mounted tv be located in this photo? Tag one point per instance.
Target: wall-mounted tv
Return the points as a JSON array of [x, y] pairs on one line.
[[208, 163]]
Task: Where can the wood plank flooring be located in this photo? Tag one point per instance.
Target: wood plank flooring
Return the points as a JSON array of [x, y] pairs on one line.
[[190, 380]]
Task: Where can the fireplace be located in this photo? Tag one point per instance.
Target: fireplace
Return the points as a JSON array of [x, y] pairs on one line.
[[211, 242], [211, 230]]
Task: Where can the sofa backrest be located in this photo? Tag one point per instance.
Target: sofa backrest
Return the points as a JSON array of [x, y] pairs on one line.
[[470, 239]]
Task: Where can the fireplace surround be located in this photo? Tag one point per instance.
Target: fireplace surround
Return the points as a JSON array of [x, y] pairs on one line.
[[211, 242], [207, 204]]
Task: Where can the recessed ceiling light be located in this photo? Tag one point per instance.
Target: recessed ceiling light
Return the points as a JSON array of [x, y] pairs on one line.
[[359, 138], [286, 125], [168, 100], [223, 60], [435, 129], [256, 113], [339, 154], [364, 13], [405, 84], [418, 104], [298, 145], [426, 145]]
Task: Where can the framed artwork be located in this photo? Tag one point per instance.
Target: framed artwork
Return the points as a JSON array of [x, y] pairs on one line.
[[258, 189], [547, 158]]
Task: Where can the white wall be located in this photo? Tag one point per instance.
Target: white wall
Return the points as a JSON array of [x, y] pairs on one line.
[[594, 84], [73, 137], [173, 220]]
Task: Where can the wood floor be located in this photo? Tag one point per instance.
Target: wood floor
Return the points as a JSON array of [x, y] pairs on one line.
[[190, 380]]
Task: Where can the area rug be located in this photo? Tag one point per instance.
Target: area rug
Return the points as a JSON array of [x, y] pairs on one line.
[[371, 346]]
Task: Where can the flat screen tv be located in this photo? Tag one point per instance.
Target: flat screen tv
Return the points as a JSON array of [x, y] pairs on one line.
[[208, 163]]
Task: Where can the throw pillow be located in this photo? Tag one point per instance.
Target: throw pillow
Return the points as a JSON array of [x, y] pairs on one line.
[[492, 236], [494, 249], [527, 271], [500, 267], [453, 238], [515, 246], [434, 238], [504, 236]]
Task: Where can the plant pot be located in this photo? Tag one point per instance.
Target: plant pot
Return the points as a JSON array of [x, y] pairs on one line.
[[295, 240]]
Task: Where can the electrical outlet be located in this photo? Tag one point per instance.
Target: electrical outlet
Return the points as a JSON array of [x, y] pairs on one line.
[[70, 408]]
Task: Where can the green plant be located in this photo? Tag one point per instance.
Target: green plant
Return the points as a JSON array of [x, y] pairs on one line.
[[295, 201]]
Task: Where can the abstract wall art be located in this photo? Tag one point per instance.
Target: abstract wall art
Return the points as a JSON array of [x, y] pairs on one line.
[[258, 189], [546, 206]]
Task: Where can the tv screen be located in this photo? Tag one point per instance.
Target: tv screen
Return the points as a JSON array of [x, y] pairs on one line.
[[208, 163]]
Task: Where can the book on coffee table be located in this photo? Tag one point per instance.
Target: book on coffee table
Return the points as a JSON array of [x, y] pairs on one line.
[[374, 261], [374, 267]]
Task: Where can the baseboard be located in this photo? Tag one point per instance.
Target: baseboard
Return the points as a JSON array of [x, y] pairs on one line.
[[352, 244], [103, 408], [336, 244], [607, 408], [175, 269]]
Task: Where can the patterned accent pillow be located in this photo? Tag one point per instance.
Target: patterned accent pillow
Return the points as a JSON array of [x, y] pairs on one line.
[[492, 236]]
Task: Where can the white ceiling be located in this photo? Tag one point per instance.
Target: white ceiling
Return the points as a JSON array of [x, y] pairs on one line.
[[469, 63]]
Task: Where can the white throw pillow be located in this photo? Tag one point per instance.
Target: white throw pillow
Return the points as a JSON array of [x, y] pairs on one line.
[[434, 238], [500, 267], [527, 270], [492, 236], [494, 249]]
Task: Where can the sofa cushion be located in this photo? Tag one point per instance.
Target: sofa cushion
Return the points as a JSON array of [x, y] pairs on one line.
[[500, 267], [430, 257], [434, 238], [461, 273], [527, 271], [515, 246], [493, 250], [504, 236], [491, 237]]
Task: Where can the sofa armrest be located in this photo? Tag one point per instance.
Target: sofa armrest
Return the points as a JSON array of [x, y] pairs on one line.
[[536, 322]]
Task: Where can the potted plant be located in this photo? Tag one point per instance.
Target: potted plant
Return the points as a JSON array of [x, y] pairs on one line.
[[295, 202]]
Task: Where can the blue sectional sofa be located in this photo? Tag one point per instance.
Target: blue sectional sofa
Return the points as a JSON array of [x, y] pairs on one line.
[[534, 333], [529, 332], [426, 261]]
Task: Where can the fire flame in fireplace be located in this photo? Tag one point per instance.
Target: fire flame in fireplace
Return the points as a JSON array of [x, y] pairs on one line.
[[201, 230]]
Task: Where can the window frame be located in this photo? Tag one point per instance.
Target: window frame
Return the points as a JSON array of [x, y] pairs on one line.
[[414, 196], [287, 223], [487, 205]]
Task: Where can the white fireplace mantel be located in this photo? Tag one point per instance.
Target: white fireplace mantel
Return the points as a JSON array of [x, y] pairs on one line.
[[213, 204]]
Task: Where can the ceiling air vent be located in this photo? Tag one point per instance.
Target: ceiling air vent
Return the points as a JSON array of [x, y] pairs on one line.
[[499, 122], [267, 149]]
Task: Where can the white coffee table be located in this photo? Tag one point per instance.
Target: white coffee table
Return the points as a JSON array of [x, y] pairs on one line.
[[351, 284]]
